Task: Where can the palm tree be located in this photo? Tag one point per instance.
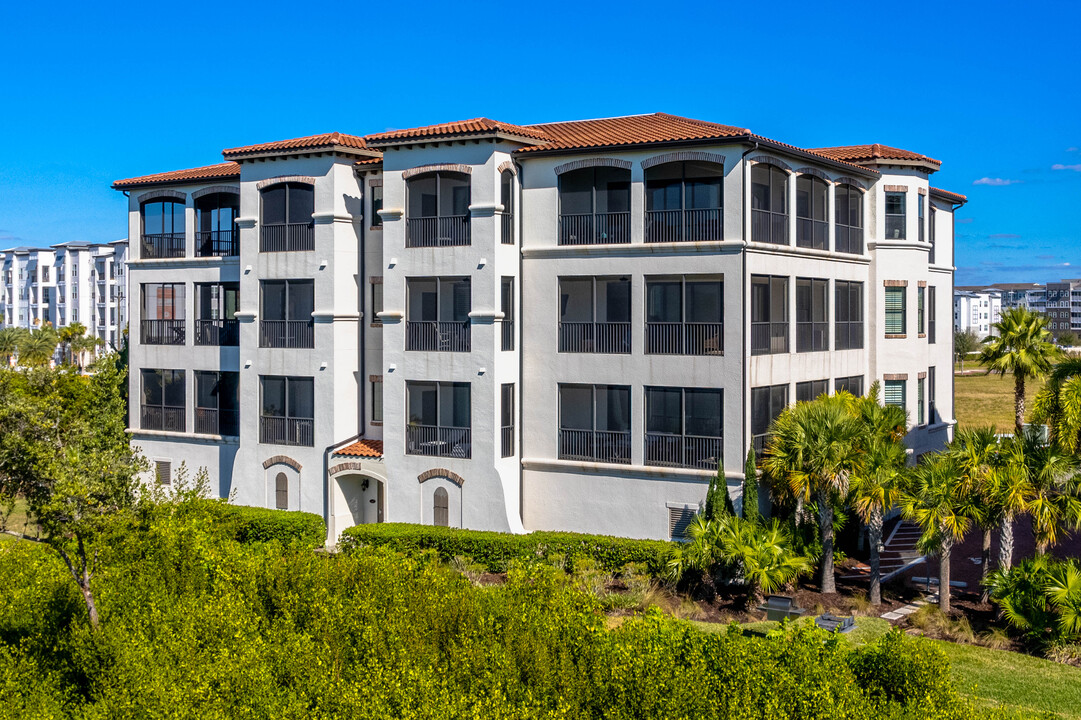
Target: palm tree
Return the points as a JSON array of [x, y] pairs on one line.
[[9, 343], [1054, 501], [68, 335], [976, 451], [1058, 405], [762, 554], [1022, 347], [38, 348], [936, 501], [1011, 493], [814, 450]]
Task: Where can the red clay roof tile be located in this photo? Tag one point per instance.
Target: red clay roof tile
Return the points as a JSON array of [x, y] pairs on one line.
[[863, 153], [629, 130], [225, 170], [476, 126], [947, 195], [363, 448], [311, 142]]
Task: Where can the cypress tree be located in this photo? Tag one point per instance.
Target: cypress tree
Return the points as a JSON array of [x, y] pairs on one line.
[[750, 488]]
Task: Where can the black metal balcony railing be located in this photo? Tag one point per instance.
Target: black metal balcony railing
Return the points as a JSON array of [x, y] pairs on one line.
[[595, 229], [673, 338], [595, 337], [162, 332], [848, 239], [444, 231], [689, 451], [701, 225], [213, 421], [848, 335], [769, 338], [436, 336], [286, 334], [812, 336], [507, 440], [217, 243], [595, 446], [287, 237], [760, 443], [506, 228], [162, 245], [162, 417], [813, 234], [508, 334], [221, 333], [286, 431], [438, 441], [769, 227]]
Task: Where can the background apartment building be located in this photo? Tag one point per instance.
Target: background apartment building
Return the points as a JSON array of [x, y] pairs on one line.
[[977, 311], [559, 326]]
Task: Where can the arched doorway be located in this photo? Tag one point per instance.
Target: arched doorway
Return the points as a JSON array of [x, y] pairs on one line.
[[358, 500]]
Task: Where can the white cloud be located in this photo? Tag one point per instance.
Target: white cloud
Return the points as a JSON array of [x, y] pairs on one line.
[[1059, 166], [995, 182]]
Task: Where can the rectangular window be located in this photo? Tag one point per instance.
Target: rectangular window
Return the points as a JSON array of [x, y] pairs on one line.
[[920, 327], [595, 423], [377, 205], [919, 401], [286, 314], [377, 401], [215, 314], [163, 406], [437, 314], [931, 314], [920, 200], [894, 393], [769, 314], [812, 315], [595, 315], [506, 305], [808, 391], [769, 204], [931, 232], [506, 419], [848, 314], [217, 403], [766, 404], [931, 395], [851, 384], [683, 427], [377, 302], [439, 417], [287, 415], [895, 215], [895, 310], [684, 316]]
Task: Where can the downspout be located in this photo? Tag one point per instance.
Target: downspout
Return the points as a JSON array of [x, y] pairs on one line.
[[743, 322], [519, 320]]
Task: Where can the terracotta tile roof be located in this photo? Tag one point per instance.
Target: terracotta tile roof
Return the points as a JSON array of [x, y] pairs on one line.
[[629, 130], [363, 448], [947, 195], [312, 142], [369, 161], [864, 153], [225, 170], [476, 126]]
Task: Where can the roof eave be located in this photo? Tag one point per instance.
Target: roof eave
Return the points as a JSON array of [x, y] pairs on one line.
[[455, 137], [186, 181], [239, 157]]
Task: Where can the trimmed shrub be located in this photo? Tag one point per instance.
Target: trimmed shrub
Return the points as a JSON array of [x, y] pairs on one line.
[[248, 524], [905, 670], [495, 550]]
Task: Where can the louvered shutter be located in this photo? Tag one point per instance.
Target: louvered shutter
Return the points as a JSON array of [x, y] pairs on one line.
[[895, 311], [894, 393], [165, 471], [678, 520]]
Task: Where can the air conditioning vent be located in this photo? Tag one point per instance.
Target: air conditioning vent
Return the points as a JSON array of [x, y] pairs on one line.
[[165, 471], [678, 520]]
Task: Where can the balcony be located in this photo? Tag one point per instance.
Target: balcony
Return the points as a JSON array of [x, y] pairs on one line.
[[769, 338], [595, 229], [212, 421], [506, 433], [219, 333], [703, 225], [769, 227], [445, 231], [162, 245], [162, 332], [438, 441], [506, 228], [508, 335], [849, 240], [286, 334], [814, 234], [687, 451], [595, 337], [286, 431], [287, 237], [162, 417], [595, 446], [673, 338], [217, 243], [436, 336]]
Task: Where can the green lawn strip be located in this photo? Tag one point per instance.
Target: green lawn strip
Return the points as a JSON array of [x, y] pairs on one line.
[[981, 400], [17, 521], [868, 629], [1015, 681]]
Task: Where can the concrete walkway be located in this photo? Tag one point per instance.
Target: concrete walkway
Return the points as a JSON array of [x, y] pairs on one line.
[[902, 612]]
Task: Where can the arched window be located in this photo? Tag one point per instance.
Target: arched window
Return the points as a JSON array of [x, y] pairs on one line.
[[769, 204], [437, 210], [506, 199], [281, 491], [163, 229], [683, 202], [595, 206], [215, 220], [285, 222], [848, 219], [441, 509], [812, 224]]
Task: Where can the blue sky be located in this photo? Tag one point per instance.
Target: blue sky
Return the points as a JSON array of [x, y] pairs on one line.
[[90, 93]]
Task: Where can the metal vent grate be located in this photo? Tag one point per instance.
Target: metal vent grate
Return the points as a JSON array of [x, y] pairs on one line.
[[165, 471], [678, 520]]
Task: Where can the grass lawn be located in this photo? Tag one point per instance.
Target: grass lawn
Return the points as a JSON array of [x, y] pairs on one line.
[[17, 522], [988, 400]]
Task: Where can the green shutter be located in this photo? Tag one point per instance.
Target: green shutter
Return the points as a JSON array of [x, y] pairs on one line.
[[895, 310], [895, 392]]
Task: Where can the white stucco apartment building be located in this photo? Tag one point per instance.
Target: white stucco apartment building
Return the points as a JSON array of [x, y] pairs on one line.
[[504, 327], [67, 283], [977, 311]]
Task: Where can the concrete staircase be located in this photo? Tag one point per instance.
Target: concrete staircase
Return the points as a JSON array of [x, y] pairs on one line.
[[898, 555]]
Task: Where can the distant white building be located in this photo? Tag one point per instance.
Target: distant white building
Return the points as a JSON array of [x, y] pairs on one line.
[[977, 311], [71, 282]]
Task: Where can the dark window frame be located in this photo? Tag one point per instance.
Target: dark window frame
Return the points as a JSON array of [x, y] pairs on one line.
[[812, 231], [848, 237], [771, 325], [763, 215], [902, 313], [900, 226], [848, 315], [813, 335], [615, 226]]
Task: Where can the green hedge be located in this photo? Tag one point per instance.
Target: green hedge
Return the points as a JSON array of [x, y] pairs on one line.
[[496, 550], [249, 524]]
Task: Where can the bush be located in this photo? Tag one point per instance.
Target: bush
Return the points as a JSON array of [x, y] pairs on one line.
[[248, 524], [901, 669], [496, 551]]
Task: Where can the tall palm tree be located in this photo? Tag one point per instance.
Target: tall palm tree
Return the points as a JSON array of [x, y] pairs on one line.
[[814, 450], [9, 343], [67, 336], [38, 348], [1054, 502], [1022, 348], [1011, 493], [1058, 404], [936, 501], [976, 451]]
